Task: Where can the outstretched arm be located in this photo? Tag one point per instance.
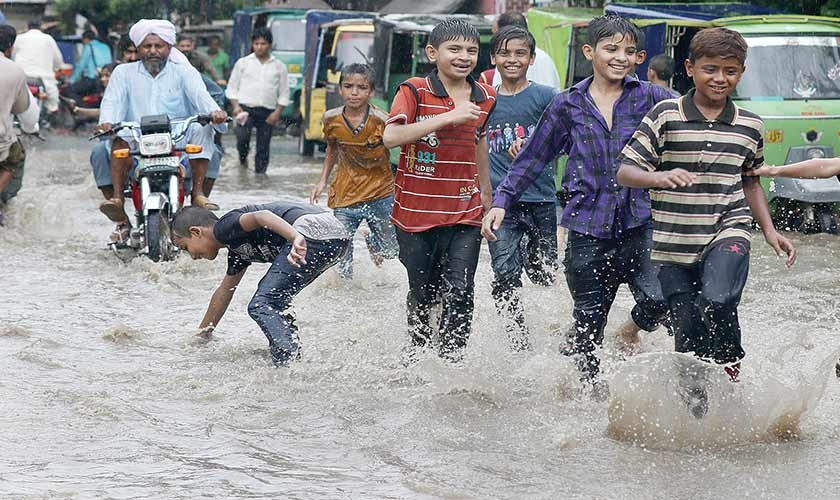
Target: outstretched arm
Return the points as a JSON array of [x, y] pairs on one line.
[[219, 303], [818, 168]]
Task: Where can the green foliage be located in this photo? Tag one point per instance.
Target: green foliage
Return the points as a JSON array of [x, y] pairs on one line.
[[103, 13]]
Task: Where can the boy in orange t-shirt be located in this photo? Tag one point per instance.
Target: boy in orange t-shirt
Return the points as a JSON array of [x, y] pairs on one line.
[[363, 187]]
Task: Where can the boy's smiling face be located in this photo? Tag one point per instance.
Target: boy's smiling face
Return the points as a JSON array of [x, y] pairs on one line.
[[455, 59], [199, 244], [715, 77], [612, 57], [513, 59]]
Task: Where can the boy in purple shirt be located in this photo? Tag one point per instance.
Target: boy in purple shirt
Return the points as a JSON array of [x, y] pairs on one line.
[[609, 226]]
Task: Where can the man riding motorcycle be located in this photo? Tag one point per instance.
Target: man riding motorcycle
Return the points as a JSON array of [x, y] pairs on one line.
[[161, 82], [15, 98]]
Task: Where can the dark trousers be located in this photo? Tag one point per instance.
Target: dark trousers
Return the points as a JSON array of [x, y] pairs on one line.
[[256, 118], [704, 299], [271, 305], [441, 264], [526, 240], [595, 268]]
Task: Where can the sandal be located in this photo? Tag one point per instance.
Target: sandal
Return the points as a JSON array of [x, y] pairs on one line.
[[122, 233]]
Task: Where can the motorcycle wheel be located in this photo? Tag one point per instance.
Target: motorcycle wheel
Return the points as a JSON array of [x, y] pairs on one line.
[[159, 236]]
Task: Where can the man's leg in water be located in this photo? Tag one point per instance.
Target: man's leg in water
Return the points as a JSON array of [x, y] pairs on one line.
[[506, 259], [100, 163], [199, 162], [114, 208], [591, 277], [271, 305], [420, 253], [651, 309]]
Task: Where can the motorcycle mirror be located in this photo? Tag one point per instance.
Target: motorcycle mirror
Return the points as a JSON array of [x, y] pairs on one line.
[[193, 149], [122, 153]]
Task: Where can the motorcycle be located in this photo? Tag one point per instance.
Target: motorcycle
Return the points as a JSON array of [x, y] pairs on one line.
[[157, 184]]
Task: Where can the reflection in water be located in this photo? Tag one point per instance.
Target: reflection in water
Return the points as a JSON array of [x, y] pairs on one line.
[[107, 394]]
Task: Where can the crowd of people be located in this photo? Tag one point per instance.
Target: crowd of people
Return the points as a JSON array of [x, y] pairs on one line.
[[661, 190]]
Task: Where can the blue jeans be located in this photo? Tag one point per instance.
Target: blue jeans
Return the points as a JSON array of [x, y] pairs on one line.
[[271, 305], [526, 240], [100, 162], [382, 239], [595, 268]]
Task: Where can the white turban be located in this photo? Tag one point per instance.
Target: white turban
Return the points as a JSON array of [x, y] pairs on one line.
[[164, 29]]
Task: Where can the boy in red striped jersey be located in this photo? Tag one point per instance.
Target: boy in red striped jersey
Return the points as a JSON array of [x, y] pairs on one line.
[[442, 185]]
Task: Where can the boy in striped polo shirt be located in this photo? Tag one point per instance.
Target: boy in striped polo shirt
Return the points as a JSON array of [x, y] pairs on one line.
[[442, 184], [693, 152]]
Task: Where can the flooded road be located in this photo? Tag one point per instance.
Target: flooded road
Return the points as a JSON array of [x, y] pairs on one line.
[[105, 393]]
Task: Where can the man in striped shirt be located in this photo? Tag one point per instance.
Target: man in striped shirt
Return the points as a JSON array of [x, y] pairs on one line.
[[693, 152]]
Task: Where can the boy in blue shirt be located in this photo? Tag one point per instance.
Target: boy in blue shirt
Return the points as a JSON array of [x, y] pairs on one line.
[[527, 237], [609, 226]]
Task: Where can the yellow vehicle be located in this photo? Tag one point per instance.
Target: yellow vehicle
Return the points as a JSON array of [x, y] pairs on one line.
[[339, 43]]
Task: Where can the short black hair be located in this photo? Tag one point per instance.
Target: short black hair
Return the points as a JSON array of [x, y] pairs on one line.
[[191, 216], [33, 24], [663, 66], [7, 36], [453, 29], [88, 35], [610, 25], [718, 42], [512, 18], [124, 43], [263, 33], [109, 67], [357, 69], [500, 39], [184, 36]]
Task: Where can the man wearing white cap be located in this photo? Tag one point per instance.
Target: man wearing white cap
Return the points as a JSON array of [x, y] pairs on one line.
[[161, 82]]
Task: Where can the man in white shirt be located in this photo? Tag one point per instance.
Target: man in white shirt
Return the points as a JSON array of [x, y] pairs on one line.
[[14, 99], [161, 82], [543, 71], [258, 86], [38, 54]]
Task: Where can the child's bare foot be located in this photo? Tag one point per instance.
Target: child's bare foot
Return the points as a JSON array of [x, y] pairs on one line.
[[627, 338]]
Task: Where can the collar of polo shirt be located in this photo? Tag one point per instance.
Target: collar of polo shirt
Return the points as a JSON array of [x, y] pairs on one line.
[[692, 114]]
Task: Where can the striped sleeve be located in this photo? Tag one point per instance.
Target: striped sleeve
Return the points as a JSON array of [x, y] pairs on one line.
[[758, 161], [645, 147]]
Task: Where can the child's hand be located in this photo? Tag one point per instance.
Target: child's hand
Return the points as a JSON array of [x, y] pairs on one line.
[[492, 221], [516, 147], [297, 255], [675, 178], [763, 171], [316, 192], [782, 246], [464, 112]]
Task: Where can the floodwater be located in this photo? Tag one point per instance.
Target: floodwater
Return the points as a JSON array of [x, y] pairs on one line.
[[105, 392]]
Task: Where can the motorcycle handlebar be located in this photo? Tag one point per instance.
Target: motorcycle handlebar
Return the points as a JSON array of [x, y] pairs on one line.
[[203, 119]]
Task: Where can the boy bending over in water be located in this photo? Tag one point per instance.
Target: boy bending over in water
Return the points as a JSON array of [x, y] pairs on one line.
[[298, 240]]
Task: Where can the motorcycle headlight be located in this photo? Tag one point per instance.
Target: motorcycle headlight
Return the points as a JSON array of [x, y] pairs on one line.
[[814, 153], [155, 144]]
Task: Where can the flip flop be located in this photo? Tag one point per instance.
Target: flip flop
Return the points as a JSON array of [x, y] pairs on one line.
[[203, 202], [122, 233], [113, 209]]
